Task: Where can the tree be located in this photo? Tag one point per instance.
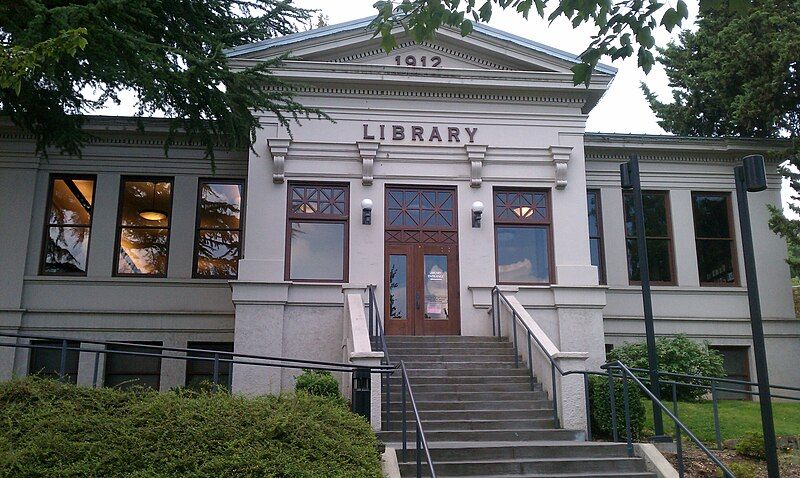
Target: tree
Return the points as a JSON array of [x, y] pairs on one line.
[[171, 54], [737, 75], [624, 27]]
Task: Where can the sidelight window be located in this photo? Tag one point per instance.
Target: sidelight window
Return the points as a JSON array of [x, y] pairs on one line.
[[219, 229], [317, 232], [68, 225], [522, 221], [713, 230], [143, 227], [658, 235]]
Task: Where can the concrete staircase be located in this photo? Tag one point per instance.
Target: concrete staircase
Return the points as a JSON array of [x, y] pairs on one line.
[[482, 419]]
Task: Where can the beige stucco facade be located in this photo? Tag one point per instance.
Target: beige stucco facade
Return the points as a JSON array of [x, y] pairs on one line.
[[520, 123]]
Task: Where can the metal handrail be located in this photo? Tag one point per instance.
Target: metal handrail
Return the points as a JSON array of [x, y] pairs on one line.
[[422, 442], [718, 379], [375, 316], [679, 426]]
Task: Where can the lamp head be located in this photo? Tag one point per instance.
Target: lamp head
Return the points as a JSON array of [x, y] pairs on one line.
[[477, 206], [366, 203], [755, 173], [625, 176]]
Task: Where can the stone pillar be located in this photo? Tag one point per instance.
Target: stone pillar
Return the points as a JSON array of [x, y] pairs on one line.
[[173, 371], [571, 391], [86, 365]]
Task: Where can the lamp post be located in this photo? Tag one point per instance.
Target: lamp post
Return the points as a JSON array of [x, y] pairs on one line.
[[630, 180], [752, 177]]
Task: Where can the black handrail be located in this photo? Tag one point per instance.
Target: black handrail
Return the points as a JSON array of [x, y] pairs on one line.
[[719, 379], [420, 434], [679, 426], [66, 344], [376, 332]]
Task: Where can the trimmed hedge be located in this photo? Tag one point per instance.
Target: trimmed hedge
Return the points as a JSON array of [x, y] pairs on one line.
[[600, 403], [677, 354], [320, 383], [50, 429]]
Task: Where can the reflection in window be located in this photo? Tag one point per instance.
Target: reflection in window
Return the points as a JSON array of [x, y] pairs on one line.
[[714, 238], [522, 236], [69, 223], [46, 362], [657, 236], [218, 240], [317, 222], [124, 371], [144, 221], [398, 276], [595, 234]]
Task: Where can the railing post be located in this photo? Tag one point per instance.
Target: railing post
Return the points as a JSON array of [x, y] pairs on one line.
[[516, 348], [405, 425], [215, 374], [530, 361], [715, 408], [96, 367], [588, 407], [388, 402], [62, 367], [494, 313], [371, 294], [419, 452], [627, 413], [499, 318], [678, 442], [555, 393], [612, 397]]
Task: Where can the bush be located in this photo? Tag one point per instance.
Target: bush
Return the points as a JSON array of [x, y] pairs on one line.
[[50, 429], [752, 446], [741, 469], [600, 403], [679, 355], [320, 383]]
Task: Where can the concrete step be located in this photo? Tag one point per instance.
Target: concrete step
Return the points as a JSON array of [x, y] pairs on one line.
[[457, 396], [500, 467], [451, 347], [489, 365], [414, 372], [444, 405], [440, 339], [462, 380], [489, 356], [395, 414], [461, 451], [469, 387], [478, 424], [509, 434]]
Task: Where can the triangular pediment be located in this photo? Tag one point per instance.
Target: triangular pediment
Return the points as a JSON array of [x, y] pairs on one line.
[[485, 48]]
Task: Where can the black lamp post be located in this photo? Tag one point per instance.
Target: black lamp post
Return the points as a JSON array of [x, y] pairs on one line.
[[752, 177], [629, 178]]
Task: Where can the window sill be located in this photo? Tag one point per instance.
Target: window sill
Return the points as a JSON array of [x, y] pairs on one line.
[[132, 280]]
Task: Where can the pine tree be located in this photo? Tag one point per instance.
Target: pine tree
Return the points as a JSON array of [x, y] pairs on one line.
[[170, 53], [737, 75]]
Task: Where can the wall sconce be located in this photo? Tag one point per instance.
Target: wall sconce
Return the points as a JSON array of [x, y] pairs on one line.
[[477, 212], [366, 212]]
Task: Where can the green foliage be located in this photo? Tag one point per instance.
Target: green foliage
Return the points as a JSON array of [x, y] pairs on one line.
[[752, 446], [616, 22], [741, 469], [679, 355], [17, 63], [600, 403], [57, 430], [320, 383], [171, 54]]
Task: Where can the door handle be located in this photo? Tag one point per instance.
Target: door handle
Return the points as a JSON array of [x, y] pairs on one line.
[[416, 300]]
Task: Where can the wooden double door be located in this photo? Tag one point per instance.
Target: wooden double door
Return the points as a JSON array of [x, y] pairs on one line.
[[421, 284]]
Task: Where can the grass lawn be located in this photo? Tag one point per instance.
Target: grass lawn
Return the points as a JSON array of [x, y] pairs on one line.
[[736, 418]]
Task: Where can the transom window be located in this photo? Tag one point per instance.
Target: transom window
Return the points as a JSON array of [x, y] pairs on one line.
[[317, 232], [522, 221], [68, 225], [143, 228], [219, 229], [713, 230], [658, 235], [420, 209]]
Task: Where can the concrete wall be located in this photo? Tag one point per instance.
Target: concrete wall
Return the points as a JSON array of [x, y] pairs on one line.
[[173, 310]]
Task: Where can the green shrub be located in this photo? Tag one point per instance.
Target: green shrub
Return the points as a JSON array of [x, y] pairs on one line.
[[50, 429], [741, 469], [679, 355], [320, 383], [752, 446], [600, 403]]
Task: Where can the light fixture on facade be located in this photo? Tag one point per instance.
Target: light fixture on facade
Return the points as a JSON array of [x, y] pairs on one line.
[[477, 212], [366, 212], [153, 214]]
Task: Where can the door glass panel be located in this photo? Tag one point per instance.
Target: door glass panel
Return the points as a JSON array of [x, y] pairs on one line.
[[397, 287], [436, 303]]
